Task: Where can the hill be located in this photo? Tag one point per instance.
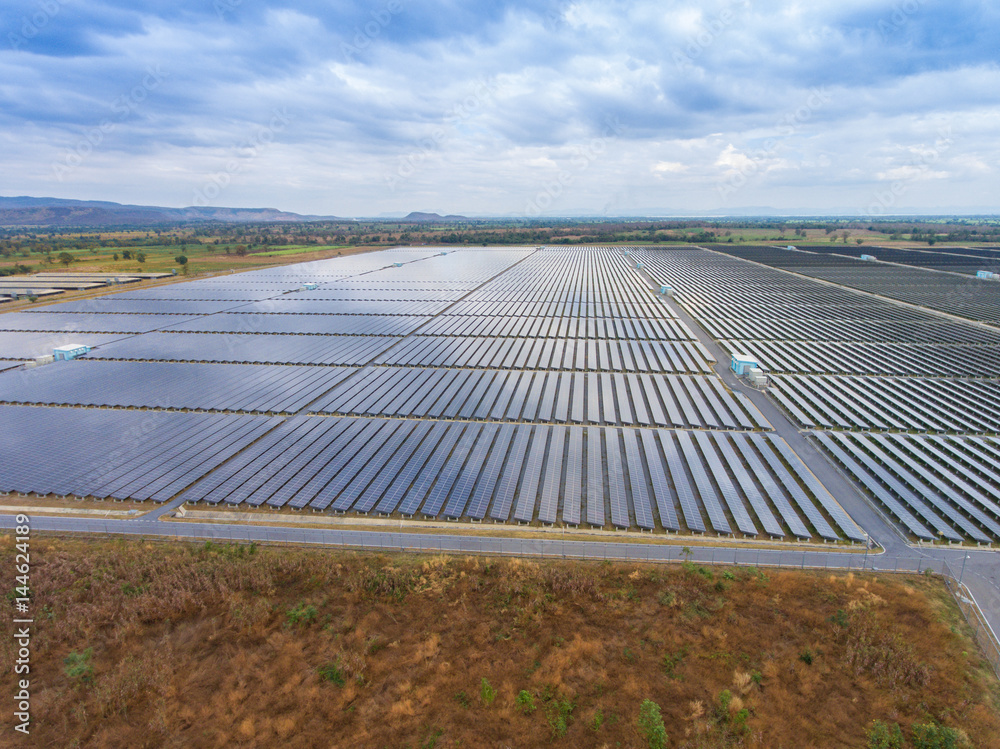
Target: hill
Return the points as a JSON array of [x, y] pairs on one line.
[[162, 644], [58, 212], [432, 217]]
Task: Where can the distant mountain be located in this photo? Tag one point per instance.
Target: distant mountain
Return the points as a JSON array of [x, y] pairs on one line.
[[28, 211], [420, 216]]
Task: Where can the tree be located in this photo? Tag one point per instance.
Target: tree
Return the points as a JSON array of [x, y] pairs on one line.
[[65, 258], [181, 260], [241, 250], [140, 256], [126, 255], [651, 724]]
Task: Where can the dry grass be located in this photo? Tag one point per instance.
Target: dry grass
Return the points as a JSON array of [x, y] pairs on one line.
[[223, 646]]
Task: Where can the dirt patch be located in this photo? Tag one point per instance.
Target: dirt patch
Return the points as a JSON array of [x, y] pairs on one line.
[[160, 644]]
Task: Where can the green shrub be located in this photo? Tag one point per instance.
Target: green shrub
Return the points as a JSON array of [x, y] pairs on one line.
[[651, 723], [78, 666], [486, 692], [598, 721], [331, 672], [933, 736], [883, 736], [462, 699], [806, 657], [301, 613], [525, 701], [559, 714]]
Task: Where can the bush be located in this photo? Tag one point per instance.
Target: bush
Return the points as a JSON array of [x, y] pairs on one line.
[[300, 614], [651, 723], [882, 736], [933, 736], [486, 692], [78, 666], [559, 714], [331, 672], [525, 701]]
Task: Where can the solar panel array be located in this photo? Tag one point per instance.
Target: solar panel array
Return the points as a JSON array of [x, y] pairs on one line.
[[905, 400], [118, 454], [521, 385], [917, 280]]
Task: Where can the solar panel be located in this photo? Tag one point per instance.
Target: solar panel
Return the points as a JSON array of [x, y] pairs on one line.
[[595, 478]]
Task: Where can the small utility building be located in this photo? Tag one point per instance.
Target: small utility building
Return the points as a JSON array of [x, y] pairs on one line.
[[69, 351], [740, 363]]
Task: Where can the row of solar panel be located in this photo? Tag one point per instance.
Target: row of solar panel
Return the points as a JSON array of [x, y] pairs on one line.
[[561, 397], [522, 473], [938, 331], [285, 304], [114, 305], [206, 387], [564, 308], [560, 327], [831, 357], [805, 308], [884, 403], [246, 348], [548, 353], [935, 487], [121, 454]]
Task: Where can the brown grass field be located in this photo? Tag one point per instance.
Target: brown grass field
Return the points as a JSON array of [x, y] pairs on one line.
[[171, 645]]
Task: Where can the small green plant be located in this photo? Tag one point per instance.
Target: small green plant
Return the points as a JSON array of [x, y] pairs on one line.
[[667, 598], [525, 701], [486, 692], [651, 723], [883, 736], [725, 699], [839, 619], [301, 613], [756, 677], [463, 699], [432, 738], [672, 660], [331, 672], [78, 666], [934, 736], [597, 721], [806, 656], [559, 714], [134, 590], [727, 575]]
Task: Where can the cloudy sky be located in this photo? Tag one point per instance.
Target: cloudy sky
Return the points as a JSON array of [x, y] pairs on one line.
[[504, 108]]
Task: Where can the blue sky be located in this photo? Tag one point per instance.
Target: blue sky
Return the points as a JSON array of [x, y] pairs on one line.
[[504, 108]]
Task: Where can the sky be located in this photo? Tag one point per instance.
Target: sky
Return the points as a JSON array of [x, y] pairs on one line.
[[660, 108]]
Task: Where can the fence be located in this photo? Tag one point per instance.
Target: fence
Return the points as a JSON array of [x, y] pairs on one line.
[[985, 637]]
